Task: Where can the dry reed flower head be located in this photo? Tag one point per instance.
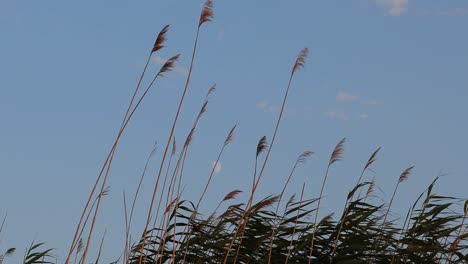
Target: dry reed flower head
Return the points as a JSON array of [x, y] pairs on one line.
[[300, 61], [337, 152], [303, 157], [371, 188], [231, 195], [372, 158], [207, 13], [262, 145], [405, 174], [159, 42], [169, 64], [230, 135]]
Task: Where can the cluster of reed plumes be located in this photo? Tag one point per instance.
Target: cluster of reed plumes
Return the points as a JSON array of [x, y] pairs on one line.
[[276, 229]]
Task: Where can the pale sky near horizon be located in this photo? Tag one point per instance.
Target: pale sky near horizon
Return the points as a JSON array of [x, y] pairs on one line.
[[389, 73]]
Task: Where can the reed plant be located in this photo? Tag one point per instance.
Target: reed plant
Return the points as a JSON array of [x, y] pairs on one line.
[[268, 230]]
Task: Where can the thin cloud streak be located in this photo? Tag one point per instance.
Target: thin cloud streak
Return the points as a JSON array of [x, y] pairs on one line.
[[394, 7], [346, 97], [267, 107], [344, 116], [454, 12]]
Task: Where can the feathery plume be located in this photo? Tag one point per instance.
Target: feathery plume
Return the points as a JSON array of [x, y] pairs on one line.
[[105, 191], [203, 109], [174, 148], [10, 251], [429, 198], [189, 137], [265, 203], [211, 90], [404, 176], [80, 245], [231, 195], [168, 65], [158, 44], [303, 157], [371, 188], [300, 61], [262, 145], [372, 159], [455, 243], [326, 219], [207, 13], [337, 152], [228, 212], [171, 204], [291, 200], [230, 135]]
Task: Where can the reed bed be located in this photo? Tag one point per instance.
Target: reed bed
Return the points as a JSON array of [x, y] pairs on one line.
[[270, 230]]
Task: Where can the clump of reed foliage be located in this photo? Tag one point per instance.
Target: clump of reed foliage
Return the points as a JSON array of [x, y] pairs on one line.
[[275, 229]]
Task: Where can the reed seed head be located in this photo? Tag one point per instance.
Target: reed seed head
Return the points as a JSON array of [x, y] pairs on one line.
[[174, 148], [211, 90], [207, 13], [371, 188], [169, 64], [262, 145], [303, 157], [230, 135], [372, 158], [10, 251], [337, 152], [291, 199], [231, 195], [159, 43], [405, 174], [189, 138], [203, 108], [300, 61], [80, 245]]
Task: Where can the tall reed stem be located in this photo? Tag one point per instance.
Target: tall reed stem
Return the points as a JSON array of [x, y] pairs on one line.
[[336, 155], [349, 201], [299, 160], [158, 44], [298, 64], [205, 16], [295, 225]]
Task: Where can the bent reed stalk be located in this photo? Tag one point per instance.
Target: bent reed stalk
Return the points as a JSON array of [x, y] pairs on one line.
[[205, 16], [158, 44], [299, 63]]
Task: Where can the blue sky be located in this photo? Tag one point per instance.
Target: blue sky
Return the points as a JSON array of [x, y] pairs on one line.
[[388, 73]]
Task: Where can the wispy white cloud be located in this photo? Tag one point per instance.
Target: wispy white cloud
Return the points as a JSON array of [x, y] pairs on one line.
[[267, 107], [371, 102], [453, 12], [344, 116], [217, 167], [363, 116], [340, 115], [394, 7], [345, 97]]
